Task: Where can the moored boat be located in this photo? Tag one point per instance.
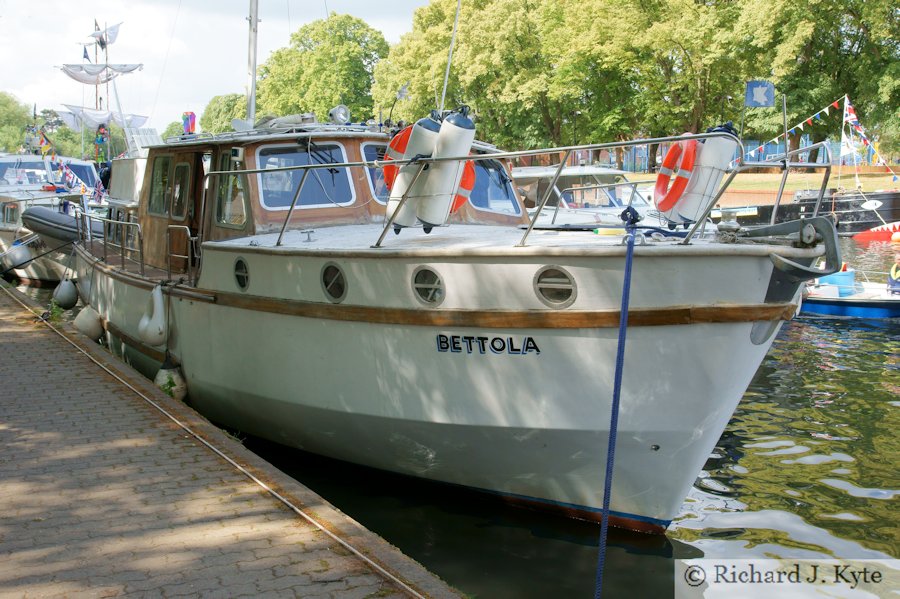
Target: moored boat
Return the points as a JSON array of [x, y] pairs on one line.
[[55, 184], [476, 351], [841, 294]]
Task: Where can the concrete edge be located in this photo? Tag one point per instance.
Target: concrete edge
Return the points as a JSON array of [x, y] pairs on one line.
[[340, 524]]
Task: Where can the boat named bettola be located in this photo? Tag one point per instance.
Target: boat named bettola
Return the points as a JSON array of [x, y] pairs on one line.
[[470, 347]]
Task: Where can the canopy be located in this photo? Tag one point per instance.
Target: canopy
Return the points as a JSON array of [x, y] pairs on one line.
[[95, 74], [80, 116]]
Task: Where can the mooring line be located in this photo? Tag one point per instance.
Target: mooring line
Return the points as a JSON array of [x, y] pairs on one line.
[[378, 568]]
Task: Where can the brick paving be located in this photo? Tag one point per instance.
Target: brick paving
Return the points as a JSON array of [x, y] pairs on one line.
[[102, 495]]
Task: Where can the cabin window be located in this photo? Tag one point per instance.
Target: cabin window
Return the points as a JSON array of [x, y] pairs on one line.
[[323, 186], [23, 172], [555, 287], [241, 274], [333, 283], [376, 175], [231, 207], [428, 286], [159, 186], [493, 189], [181, 184]]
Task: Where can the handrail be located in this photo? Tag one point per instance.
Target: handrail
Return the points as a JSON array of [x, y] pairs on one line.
[[632, 184], [786, 165], [87, 235], [189, 257], [740, 166]]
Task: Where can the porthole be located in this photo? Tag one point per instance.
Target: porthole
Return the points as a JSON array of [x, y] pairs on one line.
[[428, 286], [242, 274], [555, 287], [333, 283]]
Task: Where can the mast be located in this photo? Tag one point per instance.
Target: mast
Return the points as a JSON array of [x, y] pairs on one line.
[[251, 67]]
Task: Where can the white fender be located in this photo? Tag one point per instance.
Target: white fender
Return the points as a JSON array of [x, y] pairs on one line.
[[422, 139], [89, 323], [713, 157], [454, 139], [65, 294], [152, 326], [169, 379]]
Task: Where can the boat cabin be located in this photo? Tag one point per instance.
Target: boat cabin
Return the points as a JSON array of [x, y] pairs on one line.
[[200, 188]]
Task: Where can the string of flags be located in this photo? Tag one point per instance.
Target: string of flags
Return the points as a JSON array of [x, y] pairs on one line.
[[809, 121], [849, 119]]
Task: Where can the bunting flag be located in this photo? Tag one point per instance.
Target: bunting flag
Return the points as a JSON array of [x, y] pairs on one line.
[[802, 124], [86, 57], [70, 178]]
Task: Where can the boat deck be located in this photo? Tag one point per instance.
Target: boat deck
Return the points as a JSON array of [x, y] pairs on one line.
[[129, 261], [110, 487]]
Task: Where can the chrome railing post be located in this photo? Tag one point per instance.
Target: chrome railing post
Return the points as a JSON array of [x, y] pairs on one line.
[[291, 209]]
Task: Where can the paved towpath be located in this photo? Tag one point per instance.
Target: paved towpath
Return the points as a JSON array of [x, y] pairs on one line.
[[101, 494]]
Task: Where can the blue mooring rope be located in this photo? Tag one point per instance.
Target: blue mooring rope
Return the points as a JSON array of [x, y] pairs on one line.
[[631, 217]]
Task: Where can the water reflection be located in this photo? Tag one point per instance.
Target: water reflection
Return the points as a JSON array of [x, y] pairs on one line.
[[810, 452]]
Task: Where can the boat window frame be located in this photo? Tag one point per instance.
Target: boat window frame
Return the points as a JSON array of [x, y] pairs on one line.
[[369, 178], [186, 191], [226, 163], [165, 191], [310, 180], [516, 201]]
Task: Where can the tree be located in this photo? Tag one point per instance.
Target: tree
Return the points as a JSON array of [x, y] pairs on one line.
[[220, 111], [329, 62], [174, 129], [816, 52], [502, 67], [14, 117]]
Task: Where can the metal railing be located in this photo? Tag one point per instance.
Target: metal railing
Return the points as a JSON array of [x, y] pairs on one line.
[[582, 188], [189, 257], [564, 152], [121, 232]]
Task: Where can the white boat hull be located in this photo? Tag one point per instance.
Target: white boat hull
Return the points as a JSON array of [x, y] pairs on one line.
[[357, 383]]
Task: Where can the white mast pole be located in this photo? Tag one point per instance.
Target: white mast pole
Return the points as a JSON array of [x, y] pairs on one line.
[[251, 68]]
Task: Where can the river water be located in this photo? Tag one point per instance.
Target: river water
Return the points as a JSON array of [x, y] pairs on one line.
[[807, 468]]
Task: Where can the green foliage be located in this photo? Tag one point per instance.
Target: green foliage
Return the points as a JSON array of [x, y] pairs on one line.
[[644, 68], [55, 313], [173, 129], [14, 116], [329, 62], [816, 51], [221, 110]]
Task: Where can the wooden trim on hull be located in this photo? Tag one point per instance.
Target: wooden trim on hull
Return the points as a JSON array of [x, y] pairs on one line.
[[487, 319], [513, 319]]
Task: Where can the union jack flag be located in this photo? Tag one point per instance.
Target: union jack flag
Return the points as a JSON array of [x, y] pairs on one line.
[[850, 113], [98, 192]]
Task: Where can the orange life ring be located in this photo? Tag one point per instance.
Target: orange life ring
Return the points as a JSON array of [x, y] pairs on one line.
[[466, 185], [396, 149], [667, 197]]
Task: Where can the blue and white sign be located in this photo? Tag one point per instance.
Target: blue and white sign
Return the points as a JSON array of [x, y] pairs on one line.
[[759, 93]]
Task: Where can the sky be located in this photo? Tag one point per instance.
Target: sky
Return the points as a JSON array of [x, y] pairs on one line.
[[191, 50]]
